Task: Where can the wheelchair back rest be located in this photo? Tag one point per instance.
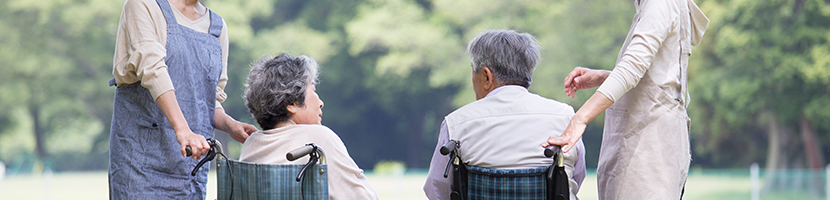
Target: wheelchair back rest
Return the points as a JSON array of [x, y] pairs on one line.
[[270, 181], [488, 183]]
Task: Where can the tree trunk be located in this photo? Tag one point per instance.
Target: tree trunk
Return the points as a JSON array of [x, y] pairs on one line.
[[774, 150], [34, 112], [813, 153], [815, 157]]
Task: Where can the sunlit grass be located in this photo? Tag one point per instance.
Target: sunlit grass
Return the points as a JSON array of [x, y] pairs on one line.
[[93, 185]]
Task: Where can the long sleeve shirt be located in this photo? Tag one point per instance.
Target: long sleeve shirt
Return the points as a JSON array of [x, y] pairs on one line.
[[140, 47], [654, 46]]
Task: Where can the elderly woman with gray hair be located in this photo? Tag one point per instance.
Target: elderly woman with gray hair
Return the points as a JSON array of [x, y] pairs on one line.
[[501, 129], [282, 97]]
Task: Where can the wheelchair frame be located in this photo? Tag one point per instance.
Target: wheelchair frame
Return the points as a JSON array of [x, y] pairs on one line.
[[317, 156], [555, 175]]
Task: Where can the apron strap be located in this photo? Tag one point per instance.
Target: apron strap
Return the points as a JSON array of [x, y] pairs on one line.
[[168, 13], [215, 24]]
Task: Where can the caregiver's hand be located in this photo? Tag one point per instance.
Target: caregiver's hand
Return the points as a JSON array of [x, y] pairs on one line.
[[568, 138], [584, 78], [590, 110], [196, 142]]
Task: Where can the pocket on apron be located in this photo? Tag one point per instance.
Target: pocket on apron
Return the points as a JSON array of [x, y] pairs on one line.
[[160, 149]]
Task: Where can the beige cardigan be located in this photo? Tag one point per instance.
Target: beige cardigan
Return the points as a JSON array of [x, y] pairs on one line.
[[346, 179], [140, 47], [656, 45]]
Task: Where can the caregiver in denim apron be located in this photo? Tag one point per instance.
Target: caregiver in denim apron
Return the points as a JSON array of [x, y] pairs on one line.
[[170, 68], [645, 143]]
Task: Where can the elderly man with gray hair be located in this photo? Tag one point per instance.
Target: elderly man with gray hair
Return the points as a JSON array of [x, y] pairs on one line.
[[282, 97], [503, 127]]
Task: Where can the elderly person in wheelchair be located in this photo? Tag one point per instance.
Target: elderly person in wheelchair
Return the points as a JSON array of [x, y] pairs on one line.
[[501, 129], [281, 96]]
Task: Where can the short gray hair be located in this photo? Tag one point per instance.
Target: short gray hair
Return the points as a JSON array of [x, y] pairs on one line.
[[510, 55], [274, 84]]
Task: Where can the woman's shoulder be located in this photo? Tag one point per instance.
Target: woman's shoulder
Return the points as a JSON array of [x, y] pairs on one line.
[[142, 9], [314, 129], [140, 3]]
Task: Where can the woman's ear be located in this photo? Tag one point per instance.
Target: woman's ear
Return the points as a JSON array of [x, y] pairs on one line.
[[293, 108]]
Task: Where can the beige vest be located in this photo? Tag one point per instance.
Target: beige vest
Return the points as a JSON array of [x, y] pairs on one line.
[[504, 130]]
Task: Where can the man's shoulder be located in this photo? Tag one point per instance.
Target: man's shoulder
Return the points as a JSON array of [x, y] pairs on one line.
[[502, 105], [558, 106]]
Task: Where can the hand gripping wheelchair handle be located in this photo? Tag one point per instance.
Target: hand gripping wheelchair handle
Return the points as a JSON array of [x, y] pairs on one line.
[[215, 147], [550, 150]]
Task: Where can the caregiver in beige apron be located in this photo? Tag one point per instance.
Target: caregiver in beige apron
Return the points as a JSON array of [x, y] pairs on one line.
[[645, 144]]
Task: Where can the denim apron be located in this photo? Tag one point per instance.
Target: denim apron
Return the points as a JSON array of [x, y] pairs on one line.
[[145, 157], [645, 152]]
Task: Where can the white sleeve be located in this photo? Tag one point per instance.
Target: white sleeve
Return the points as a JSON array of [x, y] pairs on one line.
[[436, 186]]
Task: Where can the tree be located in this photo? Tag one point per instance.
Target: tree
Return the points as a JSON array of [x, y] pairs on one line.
[[55, 72], [773, 81]]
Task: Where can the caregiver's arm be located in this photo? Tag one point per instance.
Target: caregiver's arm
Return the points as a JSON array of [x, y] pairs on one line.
[[239, 131], [170, 107], [590, 110]]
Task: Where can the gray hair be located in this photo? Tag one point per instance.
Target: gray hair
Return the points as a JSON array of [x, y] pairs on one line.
[[274, 84], [510, 55]]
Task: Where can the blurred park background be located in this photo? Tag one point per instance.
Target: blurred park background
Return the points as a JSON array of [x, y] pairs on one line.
[[391, 69]]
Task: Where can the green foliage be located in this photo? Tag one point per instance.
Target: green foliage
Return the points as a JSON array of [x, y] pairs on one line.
[[391, 69], [54, 75], [740, 72]]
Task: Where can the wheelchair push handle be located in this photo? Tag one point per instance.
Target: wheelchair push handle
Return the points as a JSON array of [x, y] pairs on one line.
[[300, 152], [215, 148], [551, 150], [449, 147]]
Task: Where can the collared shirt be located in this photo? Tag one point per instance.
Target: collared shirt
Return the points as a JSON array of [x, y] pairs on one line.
[[346, 179], [140, 47], [438, 187]]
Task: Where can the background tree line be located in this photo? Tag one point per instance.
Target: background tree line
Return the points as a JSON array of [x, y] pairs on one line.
[[391, 69]]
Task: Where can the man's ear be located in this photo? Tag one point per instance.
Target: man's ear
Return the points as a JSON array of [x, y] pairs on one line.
[[489, 79]]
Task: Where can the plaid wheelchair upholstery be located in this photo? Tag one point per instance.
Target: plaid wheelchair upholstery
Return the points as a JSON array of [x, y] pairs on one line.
[[269, 181], [487, 183]]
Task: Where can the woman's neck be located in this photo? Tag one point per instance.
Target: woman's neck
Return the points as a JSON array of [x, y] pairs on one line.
[[191, 9], [289, 122]]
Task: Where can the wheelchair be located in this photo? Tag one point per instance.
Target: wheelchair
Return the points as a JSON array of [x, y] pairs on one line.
[[471, 182], [245, 180]]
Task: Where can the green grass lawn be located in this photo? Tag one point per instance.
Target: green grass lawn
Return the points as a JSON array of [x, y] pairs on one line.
[[93, 185]]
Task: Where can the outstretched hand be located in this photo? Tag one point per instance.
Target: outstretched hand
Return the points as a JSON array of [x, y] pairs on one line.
[[583, 78]]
